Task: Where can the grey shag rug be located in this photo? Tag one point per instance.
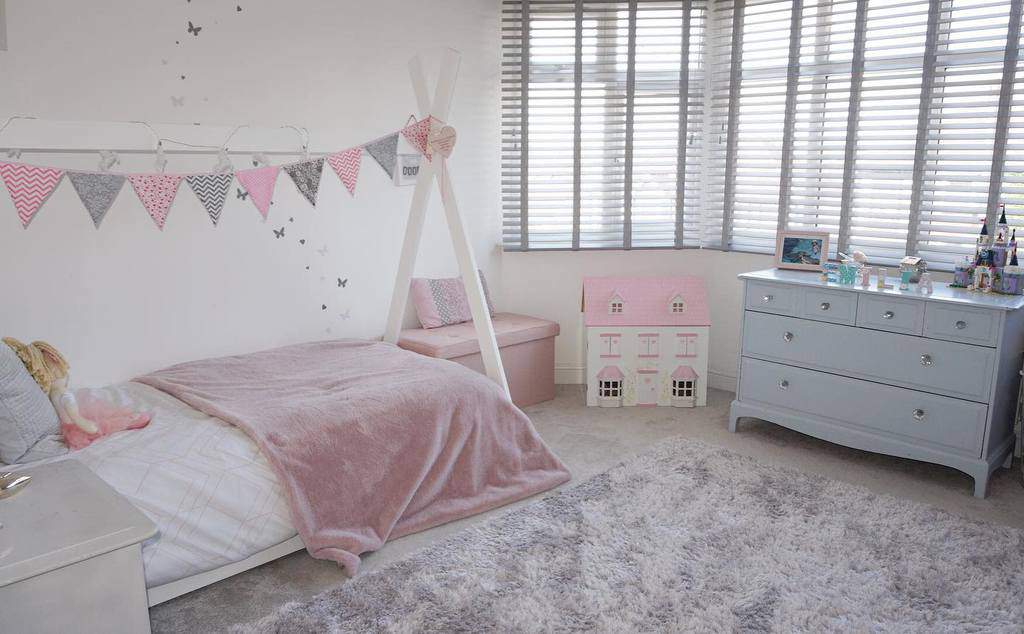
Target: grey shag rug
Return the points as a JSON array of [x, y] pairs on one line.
[[690, 537]]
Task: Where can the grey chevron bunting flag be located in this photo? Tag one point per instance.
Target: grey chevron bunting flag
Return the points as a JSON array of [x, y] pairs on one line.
[[307, 177], [97, 192], [211, 190], [385, 152]]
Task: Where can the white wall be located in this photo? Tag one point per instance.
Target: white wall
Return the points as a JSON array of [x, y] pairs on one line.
[[128, 298], [550, 285]]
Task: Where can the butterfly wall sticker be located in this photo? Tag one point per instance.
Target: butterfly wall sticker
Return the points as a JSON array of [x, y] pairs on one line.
[[322, 251], [346, 315], [342, 283], [193, 29], [177, 102], [241, 194], [278, 233]]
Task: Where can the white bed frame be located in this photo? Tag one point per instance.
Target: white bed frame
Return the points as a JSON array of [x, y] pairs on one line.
[[436, 169]]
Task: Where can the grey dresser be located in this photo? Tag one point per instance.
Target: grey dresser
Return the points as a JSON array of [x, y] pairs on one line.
[[930, 377]]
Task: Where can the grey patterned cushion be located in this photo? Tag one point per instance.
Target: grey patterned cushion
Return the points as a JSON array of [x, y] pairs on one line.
[[26, 414]]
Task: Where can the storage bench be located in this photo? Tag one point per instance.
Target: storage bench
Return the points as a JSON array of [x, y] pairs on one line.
[[527, 351]]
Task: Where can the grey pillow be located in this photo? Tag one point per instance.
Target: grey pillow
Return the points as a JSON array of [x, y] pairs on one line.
[[26, 414]]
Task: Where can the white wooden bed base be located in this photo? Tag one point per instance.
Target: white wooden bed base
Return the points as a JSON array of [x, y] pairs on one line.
[[436, 169], [168, 591]]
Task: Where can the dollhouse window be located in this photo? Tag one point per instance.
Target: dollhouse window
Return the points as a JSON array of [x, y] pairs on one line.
[[682, 388], [610, 346], [677, 305], [610, 388], [615, 305], [647, 345], [686, 345]]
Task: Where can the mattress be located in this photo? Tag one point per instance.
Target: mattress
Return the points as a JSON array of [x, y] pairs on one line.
[[204, 484]]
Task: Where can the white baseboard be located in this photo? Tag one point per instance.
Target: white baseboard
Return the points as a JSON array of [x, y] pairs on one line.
[[575, 375]]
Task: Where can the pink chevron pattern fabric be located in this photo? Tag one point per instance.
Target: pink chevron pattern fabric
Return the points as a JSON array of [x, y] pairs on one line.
[[29, 187], [418, 134], [346, 166], [157, 192], [260, 182]]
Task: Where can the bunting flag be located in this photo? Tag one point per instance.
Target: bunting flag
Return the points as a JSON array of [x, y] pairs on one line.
[[97, 191], [306, 176], [346, 166], [385, 152], [157, 192], [212, 191], [259, 183], [418, 135], [29, 187]]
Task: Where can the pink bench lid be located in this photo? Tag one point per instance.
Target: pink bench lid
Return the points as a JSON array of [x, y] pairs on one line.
[[459, 340]]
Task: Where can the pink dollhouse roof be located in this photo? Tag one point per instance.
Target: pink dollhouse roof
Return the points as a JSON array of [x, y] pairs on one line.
[[684, 373], [610, 373], [646, 301]]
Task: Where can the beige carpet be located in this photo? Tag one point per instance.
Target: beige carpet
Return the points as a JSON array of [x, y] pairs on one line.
[[591, 441]]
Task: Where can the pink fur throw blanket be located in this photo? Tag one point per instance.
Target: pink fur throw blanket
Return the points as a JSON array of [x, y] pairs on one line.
[[369, 441]]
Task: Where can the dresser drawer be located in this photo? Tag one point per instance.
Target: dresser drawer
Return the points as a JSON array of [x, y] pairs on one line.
[[952, 424], [773, 298], [891, 313], [957, 323], [943, 367], [835, 306]]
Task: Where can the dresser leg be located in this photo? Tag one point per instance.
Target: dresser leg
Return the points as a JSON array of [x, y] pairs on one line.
[[1009, 460], [981, 485], [734, 417]]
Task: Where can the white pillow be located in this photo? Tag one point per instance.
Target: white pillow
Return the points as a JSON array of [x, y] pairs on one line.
[[26, 414]]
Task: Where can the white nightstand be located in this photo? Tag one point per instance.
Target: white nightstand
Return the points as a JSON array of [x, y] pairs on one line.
[[71, 555]]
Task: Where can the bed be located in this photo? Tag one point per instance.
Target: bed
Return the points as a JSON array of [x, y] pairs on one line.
[[219, 505]]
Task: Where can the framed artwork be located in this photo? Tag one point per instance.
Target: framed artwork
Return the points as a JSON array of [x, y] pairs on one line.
[[801, 250]]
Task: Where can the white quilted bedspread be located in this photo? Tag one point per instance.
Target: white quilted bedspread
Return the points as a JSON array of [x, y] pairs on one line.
[[202, 481]]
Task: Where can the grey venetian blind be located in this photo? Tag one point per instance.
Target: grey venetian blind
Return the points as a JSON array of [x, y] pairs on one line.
[[895, 125], [602, 123]]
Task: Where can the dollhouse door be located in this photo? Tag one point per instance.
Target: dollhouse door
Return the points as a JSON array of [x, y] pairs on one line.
[[647, 387]]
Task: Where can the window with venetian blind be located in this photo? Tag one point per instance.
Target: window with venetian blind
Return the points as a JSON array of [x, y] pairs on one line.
[[895, 125]]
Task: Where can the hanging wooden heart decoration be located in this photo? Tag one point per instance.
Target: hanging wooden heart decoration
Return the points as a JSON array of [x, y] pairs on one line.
[[442, 141]]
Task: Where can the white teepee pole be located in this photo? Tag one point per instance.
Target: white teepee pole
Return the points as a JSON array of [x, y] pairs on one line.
[[438, 168]]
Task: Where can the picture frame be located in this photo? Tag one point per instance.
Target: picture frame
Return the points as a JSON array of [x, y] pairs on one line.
[[801, 250]]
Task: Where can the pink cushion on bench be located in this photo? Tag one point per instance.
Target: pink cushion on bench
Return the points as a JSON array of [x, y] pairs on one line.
[[457, 340]]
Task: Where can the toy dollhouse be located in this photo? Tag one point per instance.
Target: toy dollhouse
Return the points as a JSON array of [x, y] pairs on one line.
[[647, 341]]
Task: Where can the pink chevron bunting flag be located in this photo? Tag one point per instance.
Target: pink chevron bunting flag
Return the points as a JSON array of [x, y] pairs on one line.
[[418, 134], [157, 192], [29, 187], [260, 182], [346, 165]]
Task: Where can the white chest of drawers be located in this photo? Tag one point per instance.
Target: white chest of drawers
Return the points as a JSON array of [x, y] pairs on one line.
[[929, 377]]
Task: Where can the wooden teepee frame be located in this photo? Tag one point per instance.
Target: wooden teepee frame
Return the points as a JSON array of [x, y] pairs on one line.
[[437, 169]]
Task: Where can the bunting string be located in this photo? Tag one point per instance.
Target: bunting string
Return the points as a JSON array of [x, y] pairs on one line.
[[30, 186]]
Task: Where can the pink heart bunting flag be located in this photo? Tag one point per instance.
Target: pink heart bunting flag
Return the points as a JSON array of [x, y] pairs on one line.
[[346, 165], [157, 192], [29, 187], [418, 134], [260, 182]]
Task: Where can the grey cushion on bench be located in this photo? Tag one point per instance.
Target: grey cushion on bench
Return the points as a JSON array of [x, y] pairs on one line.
[[26, 414]]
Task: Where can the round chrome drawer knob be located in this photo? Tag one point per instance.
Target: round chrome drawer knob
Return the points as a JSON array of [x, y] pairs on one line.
[[767, 299], [825, 305], [783, 384], [888, 314], [918, 414], [926, 359], [787, 337], [960, 325]]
